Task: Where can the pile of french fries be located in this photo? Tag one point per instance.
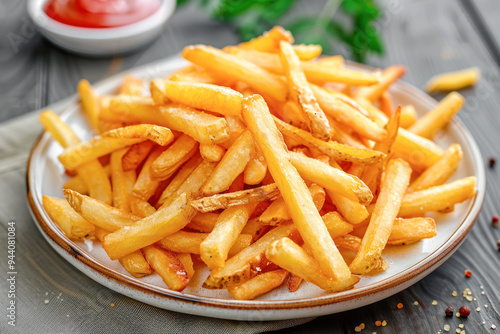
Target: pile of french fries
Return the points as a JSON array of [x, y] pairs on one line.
[[262, 162]]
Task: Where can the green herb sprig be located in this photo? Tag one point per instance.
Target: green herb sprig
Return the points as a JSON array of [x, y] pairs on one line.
[[252, 17]]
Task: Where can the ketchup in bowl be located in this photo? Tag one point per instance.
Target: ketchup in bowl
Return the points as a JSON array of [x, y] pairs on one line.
[[100, 13]]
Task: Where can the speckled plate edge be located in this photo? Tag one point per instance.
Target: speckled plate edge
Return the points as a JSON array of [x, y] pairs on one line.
[[257, 310]]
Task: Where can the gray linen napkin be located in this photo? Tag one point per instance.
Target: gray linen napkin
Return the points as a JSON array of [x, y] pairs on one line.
[[51, 296]]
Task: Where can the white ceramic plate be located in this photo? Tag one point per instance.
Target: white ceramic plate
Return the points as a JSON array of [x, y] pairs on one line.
[[408, 264]]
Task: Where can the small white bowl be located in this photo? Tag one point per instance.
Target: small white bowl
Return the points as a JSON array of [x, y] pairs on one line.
[[100, 41]]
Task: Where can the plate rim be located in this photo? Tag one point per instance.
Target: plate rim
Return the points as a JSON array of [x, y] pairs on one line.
[[416, 271]]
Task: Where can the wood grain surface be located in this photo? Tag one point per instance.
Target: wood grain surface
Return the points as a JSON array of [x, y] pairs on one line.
[[427, 36]]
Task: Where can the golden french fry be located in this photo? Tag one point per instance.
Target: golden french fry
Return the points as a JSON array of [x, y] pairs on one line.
[[187, 263], [214, 98], [215, 248], [89, 101], [167, 220], [157, 89], [293, 189], [192, 183], [439, 172], [99, 213], [238, 268], [232, 164], [336, 225], [122, 181], [203, 127], [223, 201], [59, 130], [145, 185], [200, 76], [256, 168], [132, 86], [70, 222], [258, 285], [236, 128], [77, 184], [408, 116], [438, 197], [393, 187], [300, 92], [136, 154], [344, 113], [182, 175], [428, 125], [307, 51], [173, 157], [158, 134], [389, 75], [134, 263], [230, 66], [343, 137], [168, 266], [140, 207], [333, 149], [331, 178], [290, 256], [189, 242], [277, 212], [451, 81], [203, 221], [269, 41], [212, 153], [385, 103]]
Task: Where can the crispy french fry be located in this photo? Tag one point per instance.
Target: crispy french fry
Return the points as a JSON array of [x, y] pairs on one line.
[[110, 141], [256, 168], [293, 189], [168, 266], [438, 197], [277, 212], [203, 221], [136, 154], [212, 153], [99, 213], [451, 81], [189, 242], [215, 248], [393, 186], [157, 89], [344, 113], [70, 222], [89, 101], [441, 171], [214, 98], [300, 92], [173, 157], [269, 41], [331, 178], [77, 184], [140, 207], [290, 256], [333, 149], [187, 263], [238, 268], [258, 285], [232, 164], [134, 263], [192, 183], [122, 181], [91, 173], [223, 201], [230, 66], [145, 185], [167, 220], [428, 125], [307, 51], [389, 75], [203, 127], [408, 116], [132, 86]]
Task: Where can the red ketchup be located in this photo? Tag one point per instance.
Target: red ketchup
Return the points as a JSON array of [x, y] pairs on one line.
[[100, 13]]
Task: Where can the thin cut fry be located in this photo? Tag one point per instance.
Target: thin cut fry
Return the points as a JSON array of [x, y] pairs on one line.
[[307, 51], [187, 262], [223, 201], [389, 75], [189, 242], [428, 125], [173, 157], [70, 222], [441, 171], [393, 186], [293, 189], [136, 154], [212, 153], [90, 104], [451, 81], [269, 41], [168, 266], [300, 92], [258, 285], [145, 185], [122, 181], [438, 198]]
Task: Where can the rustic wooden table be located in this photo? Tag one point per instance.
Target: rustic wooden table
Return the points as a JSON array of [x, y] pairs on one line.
[[427, 36]]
